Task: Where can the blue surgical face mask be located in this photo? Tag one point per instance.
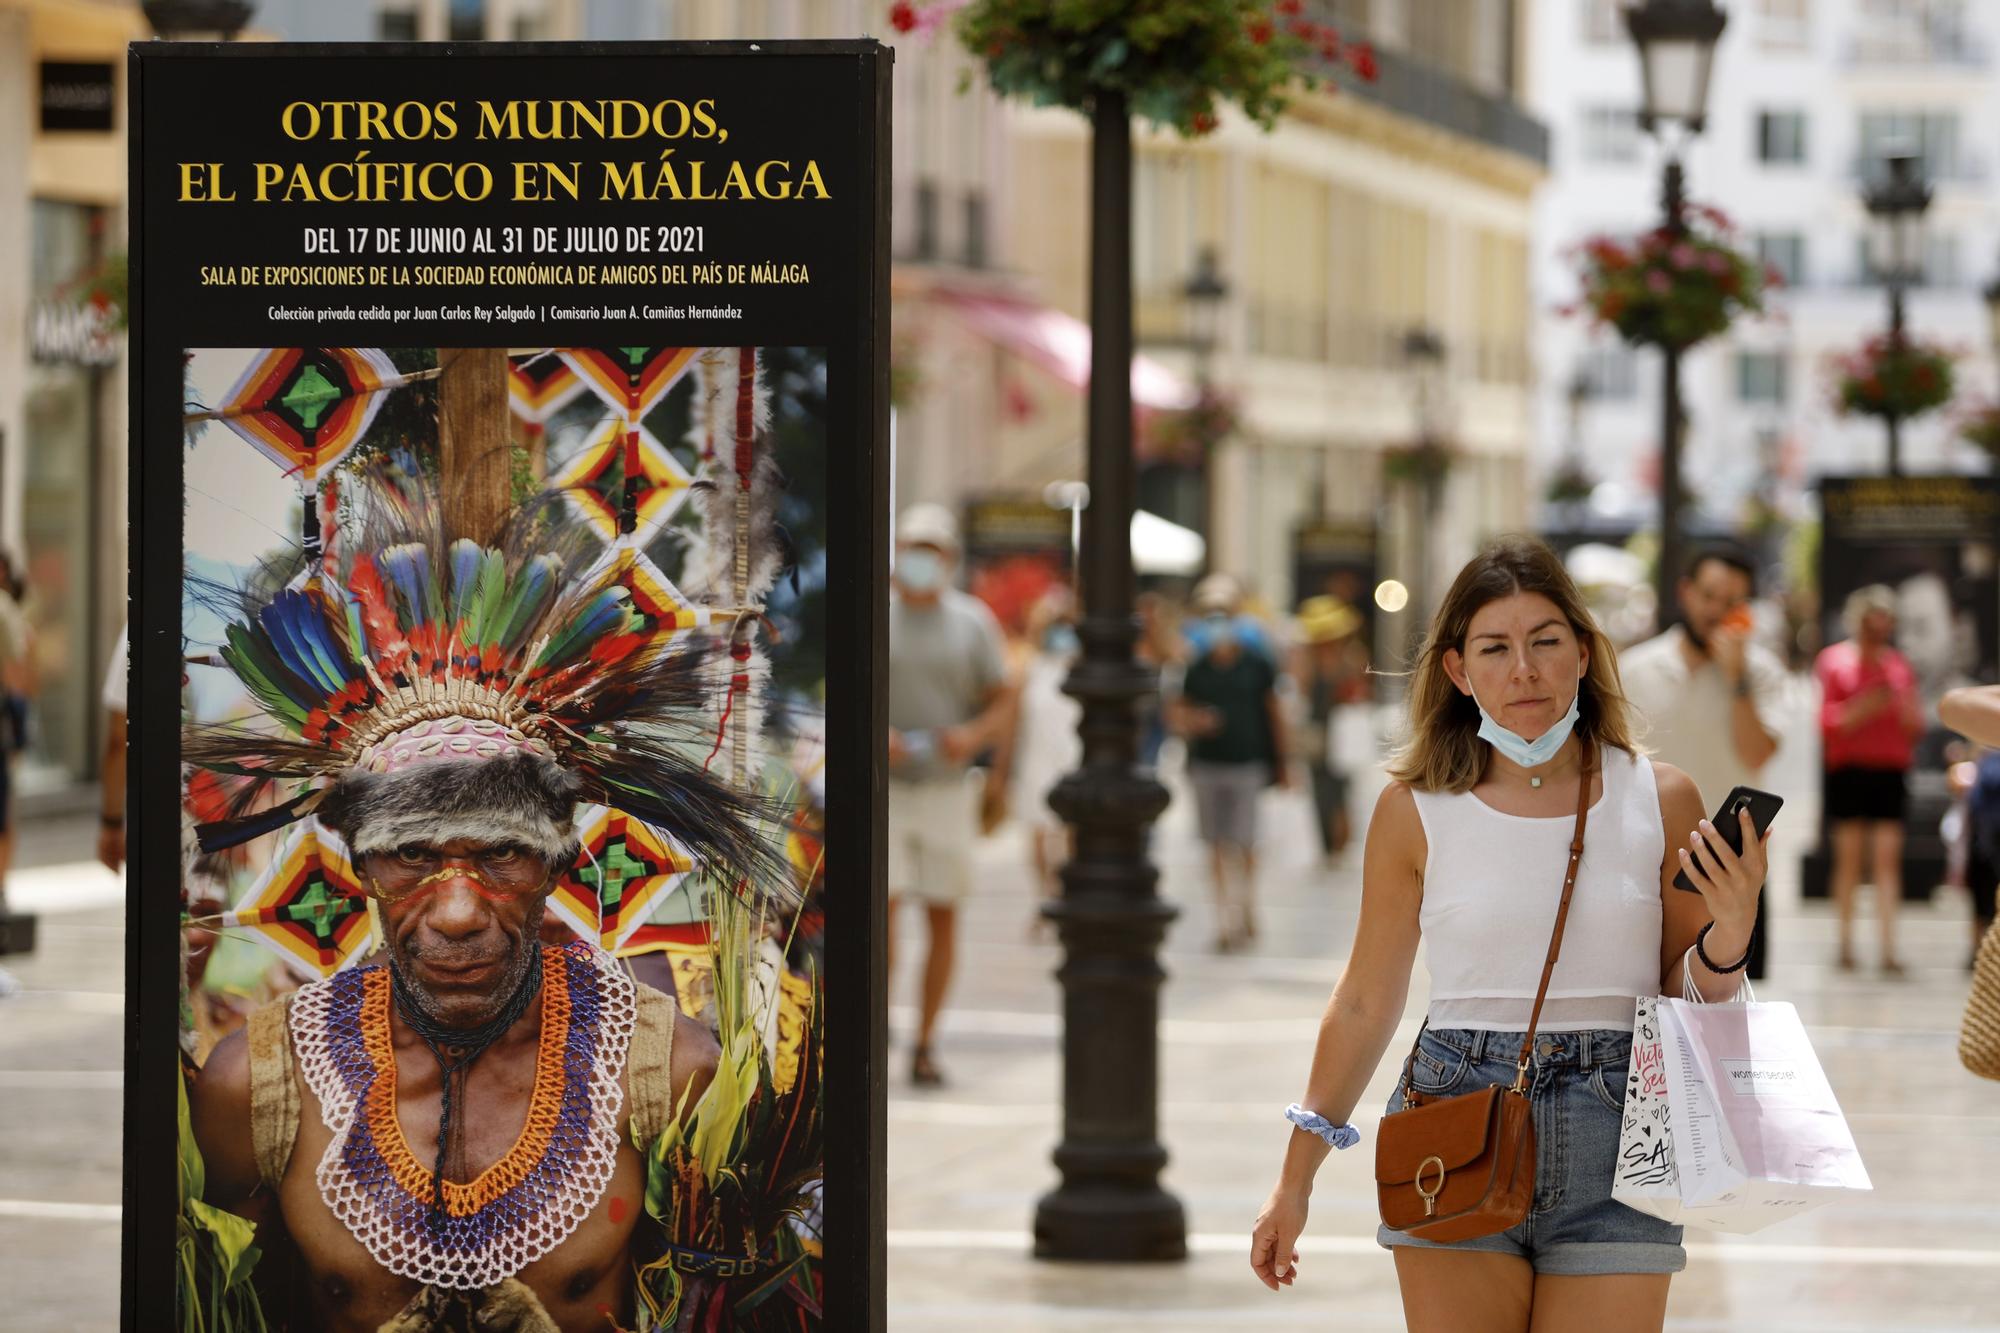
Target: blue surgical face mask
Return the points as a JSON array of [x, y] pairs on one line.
[[919, 570], [1534, 753], [1061, 641]]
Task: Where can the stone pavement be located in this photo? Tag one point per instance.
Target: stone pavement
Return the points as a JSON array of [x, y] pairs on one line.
[[967, 1163]]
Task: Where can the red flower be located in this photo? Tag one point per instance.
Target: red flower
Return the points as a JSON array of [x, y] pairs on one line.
[[1329, 46], [1205, 122], [1925, 377], [1259, 31], [1290, 7], [1872, 386], [903, 16], [1362, 57], [1304, 29], [995, 49]]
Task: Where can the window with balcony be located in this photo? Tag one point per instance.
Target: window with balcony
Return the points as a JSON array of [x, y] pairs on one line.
[[396, 25], [1931, 135], [1914, 32], [1785, 253], [1783, 25], [466, 20], [1781, 138], [1610, 135], [1760, 377], [1937, 266], [1611, 372], [1603, 24]]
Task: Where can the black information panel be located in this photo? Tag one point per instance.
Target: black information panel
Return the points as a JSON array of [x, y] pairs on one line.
[[509, 409]]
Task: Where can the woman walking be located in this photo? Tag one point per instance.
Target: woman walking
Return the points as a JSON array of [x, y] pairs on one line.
[[1517, 723], [1869, 719]]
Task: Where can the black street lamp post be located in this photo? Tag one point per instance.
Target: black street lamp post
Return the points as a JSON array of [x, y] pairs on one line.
[[1110, 1205], [1676, 41], [1205, 291], [1897, 202], [1430, 459]]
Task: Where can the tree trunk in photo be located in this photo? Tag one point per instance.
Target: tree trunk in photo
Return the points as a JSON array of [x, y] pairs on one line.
[[475, 447]]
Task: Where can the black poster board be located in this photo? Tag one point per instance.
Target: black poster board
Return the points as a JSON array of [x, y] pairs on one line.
[[397, 203], [1934, 542]]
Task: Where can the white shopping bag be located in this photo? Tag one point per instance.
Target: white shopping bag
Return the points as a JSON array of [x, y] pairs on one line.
[[1730, 1123]]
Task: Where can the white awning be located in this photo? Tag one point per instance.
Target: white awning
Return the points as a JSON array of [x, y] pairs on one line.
[[1161, 547]]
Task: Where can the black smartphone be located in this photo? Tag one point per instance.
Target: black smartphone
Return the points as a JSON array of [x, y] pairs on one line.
[[1763, 807]]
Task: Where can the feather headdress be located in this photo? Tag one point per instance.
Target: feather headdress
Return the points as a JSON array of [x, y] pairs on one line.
[[430, 687]]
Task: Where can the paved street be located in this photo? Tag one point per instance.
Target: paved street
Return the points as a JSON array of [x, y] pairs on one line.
[[967, 1163]]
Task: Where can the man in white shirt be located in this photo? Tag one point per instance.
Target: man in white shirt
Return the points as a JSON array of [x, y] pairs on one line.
[[1710, 695]]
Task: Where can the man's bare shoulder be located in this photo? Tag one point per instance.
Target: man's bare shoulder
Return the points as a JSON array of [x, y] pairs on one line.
[[696, 1054], [219, 1107]]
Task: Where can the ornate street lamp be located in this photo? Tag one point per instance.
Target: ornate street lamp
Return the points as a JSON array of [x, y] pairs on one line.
[[1676, 41], [1204, 291], [190, 18], [1897, 202], [1110, 1205]]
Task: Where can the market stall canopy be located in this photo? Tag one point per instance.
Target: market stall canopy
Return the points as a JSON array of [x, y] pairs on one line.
[[1060, 344]]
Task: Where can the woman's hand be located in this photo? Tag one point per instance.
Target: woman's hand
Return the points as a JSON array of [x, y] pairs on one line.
[[1729, 883], [1272, 1257]]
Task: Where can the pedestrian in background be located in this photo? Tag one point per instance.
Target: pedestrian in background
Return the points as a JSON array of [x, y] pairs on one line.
[[1708, 693], [1869, 721], [16, 678], [1046, 747], [1332, 665], [948, 702], [1228, 710], [1516, 719]]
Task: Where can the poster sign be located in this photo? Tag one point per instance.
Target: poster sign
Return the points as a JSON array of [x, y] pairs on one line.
[[510, 449], [1934, 542]]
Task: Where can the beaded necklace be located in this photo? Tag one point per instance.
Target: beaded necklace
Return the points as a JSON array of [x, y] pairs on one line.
[[522, 1206]]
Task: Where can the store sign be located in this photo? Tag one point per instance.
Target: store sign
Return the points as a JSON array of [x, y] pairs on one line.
[[78, 95], [72, 333]]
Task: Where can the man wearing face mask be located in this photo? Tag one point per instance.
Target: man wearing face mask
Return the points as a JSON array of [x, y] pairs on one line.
[[1707, 694], [947, 704], [1228, 710]]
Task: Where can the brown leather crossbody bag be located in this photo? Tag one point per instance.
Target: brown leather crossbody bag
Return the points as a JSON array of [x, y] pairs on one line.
[[1453, 1168]]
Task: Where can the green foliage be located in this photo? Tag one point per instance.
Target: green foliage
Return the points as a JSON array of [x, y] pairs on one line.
[[1892, 377], [1981, 426], [214, 1250], [1175, 61], [1665, 289]]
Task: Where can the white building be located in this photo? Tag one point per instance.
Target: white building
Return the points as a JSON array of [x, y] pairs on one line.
[[1805, 95]]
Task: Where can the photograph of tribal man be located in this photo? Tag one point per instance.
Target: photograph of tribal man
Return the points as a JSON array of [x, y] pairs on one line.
[[502, 906]]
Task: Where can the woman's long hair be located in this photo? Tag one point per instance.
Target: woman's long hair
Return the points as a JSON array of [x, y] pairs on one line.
[[1443, 751]]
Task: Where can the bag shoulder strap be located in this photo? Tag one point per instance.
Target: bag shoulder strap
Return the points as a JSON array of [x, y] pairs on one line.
[[274, 1090], [1562, 916], [649, 1066]]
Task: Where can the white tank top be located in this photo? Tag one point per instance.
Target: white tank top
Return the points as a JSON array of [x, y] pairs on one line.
[[1493, 881]]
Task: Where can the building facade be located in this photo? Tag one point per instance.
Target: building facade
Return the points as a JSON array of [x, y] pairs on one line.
[[1372, 213], [1807, 97], [62, 367]]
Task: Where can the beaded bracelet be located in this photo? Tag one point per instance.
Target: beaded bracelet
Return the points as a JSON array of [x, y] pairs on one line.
[[1714, 966], [1338, 1136]]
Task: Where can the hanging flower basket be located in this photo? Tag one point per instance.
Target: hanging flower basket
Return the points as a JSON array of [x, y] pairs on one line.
[[1189, 435], [1667, 290], [1982, 427], [1570, 485], [1176, 61], [1889, 378], [1429, 462]]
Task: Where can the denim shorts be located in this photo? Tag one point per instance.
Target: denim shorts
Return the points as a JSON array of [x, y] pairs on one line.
[[1577, 1092]]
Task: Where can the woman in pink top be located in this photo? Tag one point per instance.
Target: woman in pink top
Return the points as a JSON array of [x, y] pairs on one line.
[[1869, 721]]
